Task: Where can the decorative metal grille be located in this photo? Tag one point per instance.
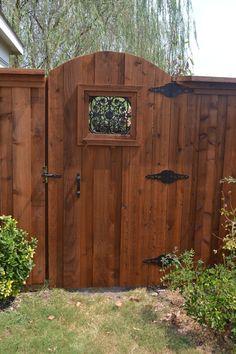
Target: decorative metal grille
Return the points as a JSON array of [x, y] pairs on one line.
[[109, 115]]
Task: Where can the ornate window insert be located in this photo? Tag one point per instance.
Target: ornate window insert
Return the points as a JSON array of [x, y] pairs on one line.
[[108, 115]]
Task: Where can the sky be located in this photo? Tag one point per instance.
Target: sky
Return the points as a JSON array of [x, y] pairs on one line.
[[216, 32]]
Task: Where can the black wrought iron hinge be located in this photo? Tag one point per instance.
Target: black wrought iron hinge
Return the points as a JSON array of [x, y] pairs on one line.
[[171, 89], [164, 260], [167, 176]]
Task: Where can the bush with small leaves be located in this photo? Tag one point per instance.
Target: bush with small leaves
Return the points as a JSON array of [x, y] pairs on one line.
[[16, 257], [210, 292]]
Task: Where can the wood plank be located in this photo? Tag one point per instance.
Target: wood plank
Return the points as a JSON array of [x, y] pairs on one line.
[[22, 84], [206, 176], [211, 183], [160, 141], [106, 191], [187, 163], [87, 74], [21, 107], [188, 226], [37, 185], [6, 202], [205, 79], [21, 139], [229, 168], [129, 265], [178, 127], [145, 167], [220, 153], [109, 69], [19, 71], [103, 229], [55, 165], [86, 224], [72, 167]]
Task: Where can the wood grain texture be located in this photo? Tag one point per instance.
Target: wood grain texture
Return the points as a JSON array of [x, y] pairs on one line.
[[109, 70], [210, 170], [22, 156], [101, 237], [21, 107], [159, 191], [6, 199], [121, 218], [55, 187], [37, 187]]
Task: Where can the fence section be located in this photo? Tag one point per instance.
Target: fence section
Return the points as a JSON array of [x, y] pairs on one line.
[[22, 155]]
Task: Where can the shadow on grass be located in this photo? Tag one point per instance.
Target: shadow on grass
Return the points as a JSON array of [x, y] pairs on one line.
[[192, 340], [6, 303]]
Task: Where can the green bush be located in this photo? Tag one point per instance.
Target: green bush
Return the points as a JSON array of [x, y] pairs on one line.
[[209, 293], [16, 257]]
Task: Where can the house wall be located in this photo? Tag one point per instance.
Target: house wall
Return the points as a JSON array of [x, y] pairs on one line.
[[4, 55]]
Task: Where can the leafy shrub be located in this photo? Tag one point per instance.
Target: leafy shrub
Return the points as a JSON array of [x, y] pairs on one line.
[[210, 292], [16, 257], [229, 213]]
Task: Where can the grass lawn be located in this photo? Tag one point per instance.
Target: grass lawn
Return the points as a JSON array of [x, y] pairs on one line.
[[58, 321]]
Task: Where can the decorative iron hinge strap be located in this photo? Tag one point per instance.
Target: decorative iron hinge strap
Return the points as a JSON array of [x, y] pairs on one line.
[[171, 90], [164, 260], [167, 176]]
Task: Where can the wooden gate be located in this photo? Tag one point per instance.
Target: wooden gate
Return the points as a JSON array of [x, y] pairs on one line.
[[101, 235]]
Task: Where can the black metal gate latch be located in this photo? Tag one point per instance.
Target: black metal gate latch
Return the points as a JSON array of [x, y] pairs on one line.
[[46, 175], [167, 176]]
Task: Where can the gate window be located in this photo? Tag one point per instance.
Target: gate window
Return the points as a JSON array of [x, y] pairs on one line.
[[109, 115]]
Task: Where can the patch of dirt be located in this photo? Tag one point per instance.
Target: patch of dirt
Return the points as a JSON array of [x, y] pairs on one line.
[[169, 305]]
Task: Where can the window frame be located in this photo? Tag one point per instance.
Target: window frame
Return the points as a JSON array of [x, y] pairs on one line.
[[83, 133]]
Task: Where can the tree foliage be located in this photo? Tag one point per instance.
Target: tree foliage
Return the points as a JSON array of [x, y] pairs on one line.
[[56, 31]]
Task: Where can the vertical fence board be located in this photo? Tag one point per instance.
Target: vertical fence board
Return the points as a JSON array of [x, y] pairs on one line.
[[229, 166], [6, 202], [37, 187], [87, 75], [72, 167], [129, 269], [160, 153], [55, 187], [21, 106], [109, 70]]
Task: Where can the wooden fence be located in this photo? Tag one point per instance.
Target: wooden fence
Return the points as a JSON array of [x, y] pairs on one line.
[[104, 216], [22, 155]]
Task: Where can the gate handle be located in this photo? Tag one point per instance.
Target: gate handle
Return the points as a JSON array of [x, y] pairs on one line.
[[78, 185]]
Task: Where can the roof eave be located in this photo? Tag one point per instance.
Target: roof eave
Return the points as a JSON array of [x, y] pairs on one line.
[[10, 38]]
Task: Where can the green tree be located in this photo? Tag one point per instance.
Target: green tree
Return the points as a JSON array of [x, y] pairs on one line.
[[56, 31]]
